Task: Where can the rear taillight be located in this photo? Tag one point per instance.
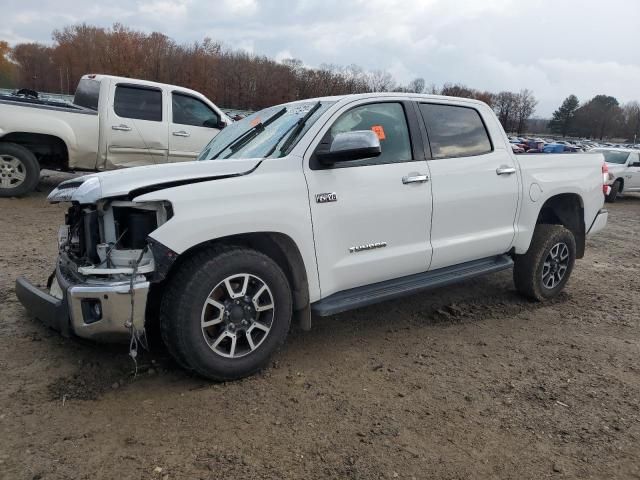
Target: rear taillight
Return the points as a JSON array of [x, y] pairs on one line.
[[606, 189]]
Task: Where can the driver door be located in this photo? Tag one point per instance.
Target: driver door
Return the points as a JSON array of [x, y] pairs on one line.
[[192, 125], [371, 221]]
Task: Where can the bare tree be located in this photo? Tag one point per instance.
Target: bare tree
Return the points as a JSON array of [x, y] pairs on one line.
[[525, 106], [381, 81], [416, 85], [505, 106], [631, 112]]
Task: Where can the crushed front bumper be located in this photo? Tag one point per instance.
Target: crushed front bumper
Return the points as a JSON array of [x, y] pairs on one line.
[[90, 308]]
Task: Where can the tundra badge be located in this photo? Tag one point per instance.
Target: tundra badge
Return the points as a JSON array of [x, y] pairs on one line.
[[368, 246], [326, 197]]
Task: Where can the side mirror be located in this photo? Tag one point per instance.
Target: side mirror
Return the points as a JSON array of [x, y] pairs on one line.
[[354, 145], [214, 122], [635, 164]]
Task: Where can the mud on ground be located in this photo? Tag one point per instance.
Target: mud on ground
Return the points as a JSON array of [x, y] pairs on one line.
[[468, 381]]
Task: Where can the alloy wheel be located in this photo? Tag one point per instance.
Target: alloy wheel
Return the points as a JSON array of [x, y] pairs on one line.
[[237, 315], [12, 171], [555, 265]]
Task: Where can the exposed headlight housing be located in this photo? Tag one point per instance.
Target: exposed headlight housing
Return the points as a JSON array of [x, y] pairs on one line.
[[83, 190]]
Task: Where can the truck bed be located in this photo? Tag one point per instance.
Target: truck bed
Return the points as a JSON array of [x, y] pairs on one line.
[[43, 103]]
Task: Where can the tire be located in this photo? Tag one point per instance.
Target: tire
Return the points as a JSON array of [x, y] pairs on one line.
[[529, 269], [19, 170], [232, 342], [613, 194]]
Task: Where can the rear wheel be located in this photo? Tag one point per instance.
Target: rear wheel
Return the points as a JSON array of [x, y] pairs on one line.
[[615, 190], [225, 312], [19, 170], [544, 270]]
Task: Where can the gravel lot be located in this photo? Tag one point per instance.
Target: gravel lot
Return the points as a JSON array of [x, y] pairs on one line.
[[468, 381]]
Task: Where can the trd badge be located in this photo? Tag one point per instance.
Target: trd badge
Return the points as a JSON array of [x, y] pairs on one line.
[[326, 197]]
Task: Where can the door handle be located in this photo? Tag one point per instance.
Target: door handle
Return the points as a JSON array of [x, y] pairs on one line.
[[181, 133], [122, 127], [417, 178], [505, 170]]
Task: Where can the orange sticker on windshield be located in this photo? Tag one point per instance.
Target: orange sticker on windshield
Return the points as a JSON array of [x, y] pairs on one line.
[[255, 121], [379, 131]]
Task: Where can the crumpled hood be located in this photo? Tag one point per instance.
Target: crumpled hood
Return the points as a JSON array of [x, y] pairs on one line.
[[116, 183]]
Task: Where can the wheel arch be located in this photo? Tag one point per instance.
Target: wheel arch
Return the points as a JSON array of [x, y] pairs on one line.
[[278, 246], [566, 209], [50, 150]]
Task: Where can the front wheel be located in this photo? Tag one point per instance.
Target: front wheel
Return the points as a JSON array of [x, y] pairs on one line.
[[543, 271], [225, 312], [19, 170]]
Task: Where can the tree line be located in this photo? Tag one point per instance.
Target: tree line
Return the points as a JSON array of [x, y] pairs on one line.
[[238, 79], [599, 118], [232, 78]]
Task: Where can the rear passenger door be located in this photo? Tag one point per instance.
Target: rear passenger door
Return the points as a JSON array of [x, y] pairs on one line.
[[193, 125], [137, 127], [475, 185]]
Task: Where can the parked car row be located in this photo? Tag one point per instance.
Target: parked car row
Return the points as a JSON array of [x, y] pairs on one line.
[[549, 145]]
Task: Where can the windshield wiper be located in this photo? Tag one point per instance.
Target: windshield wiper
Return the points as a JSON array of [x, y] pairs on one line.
[[298, 128], [240, 141]]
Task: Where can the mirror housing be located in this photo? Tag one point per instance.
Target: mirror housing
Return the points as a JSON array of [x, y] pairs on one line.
[[215, 123], [354, 145]]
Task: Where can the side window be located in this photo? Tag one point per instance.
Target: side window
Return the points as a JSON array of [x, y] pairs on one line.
[[87, 93], [388, 121], [138, 103], [455, 131], [191, 111]]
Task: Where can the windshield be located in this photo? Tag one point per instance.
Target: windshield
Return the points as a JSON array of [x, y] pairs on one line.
[[265, 133], [612, 156]]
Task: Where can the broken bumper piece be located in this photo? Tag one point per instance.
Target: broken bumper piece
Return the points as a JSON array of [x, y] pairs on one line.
[[95, 309]]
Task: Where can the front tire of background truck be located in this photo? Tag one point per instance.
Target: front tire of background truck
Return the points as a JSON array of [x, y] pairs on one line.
[[613, 194], [225, 312], [543, 271], [19, 170]]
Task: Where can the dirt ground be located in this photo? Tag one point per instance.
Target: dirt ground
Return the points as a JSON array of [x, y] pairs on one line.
[[464, 382]]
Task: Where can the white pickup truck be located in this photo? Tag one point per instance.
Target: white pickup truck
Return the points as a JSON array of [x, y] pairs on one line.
[[624, 171], [113, 122], [317, 206]]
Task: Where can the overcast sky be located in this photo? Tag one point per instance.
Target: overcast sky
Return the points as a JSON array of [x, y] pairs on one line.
[[553, 47]]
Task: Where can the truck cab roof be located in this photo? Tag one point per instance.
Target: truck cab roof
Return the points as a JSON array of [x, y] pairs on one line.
[[145, 83]]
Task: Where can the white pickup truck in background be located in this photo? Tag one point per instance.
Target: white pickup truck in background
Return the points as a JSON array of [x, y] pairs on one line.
[[320, 206], [624, 170], [113, 122]]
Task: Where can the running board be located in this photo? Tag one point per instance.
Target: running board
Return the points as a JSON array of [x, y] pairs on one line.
[[400, 287]]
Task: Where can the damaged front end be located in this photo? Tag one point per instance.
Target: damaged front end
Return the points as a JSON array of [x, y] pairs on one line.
[[105, 267]]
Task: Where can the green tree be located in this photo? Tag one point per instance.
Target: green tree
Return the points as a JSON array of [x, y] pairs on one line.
[[600, 117], [564, 117]]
